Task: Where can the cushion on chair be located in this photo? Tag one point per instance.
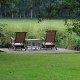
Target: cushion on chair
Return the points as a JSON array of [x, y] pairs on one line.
[[17, 44], [48, 43]]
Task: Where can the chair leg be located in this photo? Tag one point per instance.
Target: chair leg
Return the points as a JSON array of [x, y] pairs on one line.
[[14, 48], [51, 47], [9, 46], [55, 47], [21, 48], [25, 48]]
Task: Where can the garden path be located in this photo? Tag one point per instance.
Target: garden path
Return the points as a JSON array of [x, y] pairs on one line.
[[59, 50]]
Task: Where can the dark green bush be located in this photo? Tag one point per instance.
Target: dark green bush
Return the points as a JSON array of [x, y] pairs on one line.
[[4, 36], [69, 41]]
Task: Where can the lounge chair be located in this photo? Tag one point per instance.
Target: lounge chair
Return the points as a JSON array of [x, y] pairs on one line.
[[50, 39], [19, 41]]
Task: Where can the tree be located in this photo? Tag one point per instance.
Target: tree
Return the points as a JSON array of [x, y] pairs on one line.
[[6, 2], [74, 5], [70, 6], [5, 5]]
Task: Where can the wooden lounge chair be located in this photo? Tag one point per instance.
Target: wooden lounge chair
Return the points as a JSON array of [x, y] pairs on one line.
[[50, 39], [19, 41]]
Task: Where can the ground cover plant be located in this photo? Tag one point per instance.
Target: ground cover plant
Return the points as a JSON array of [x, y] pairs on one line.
[[39, 66], [37, 30]]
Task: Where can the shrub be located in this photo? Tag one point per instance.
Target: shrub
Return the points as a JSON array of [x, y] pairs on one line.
[[69, 41], [4, 36]]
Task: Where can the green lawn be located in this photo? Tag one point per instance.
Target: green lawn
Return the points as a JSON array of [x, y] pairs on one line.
[[39, 66]]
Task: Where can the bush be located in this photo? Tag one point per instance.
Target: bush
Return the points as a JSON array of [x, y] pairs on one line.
[[4, 36], [69, 41]]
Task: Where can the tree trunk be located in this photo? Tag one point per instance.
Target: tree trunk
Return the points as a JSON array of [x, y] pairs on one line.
[[31, 14], [20, 15], [24, 14], [12, 15]]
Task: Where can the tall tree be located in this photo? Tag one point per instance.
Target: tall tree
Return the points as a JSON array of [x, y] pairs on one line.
[[6, 4], [74, 5]]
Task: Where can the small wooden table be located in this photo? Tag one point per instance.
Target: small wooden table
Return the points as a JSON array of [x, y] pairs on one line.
[[32, 41]]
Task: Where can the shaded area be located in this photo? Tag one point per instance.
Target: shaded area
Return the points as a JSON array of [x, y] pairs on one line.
[[1, 51]]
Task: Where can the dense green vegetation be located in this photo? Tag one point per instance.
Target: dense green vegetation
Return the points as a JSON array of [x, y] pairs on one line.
[[37, 30], [39, 8], [39, 66]]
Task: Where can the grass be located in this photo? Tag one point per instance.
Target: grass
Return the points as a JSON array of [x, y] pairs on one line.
[[39, 66], [32, 26], [24, 24]]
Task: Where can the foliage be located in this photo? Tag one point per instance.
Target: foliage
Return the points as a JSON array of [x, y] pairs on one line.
[[73, 6], [37, 30], [6, 2], [74, 26], [1, 31], [4, 35], [39, 8], [67, 40]]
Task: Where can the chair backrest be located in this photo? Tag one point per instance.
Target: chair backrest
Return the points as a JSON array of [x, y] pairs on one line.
[[50, 36], [20, 37]]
